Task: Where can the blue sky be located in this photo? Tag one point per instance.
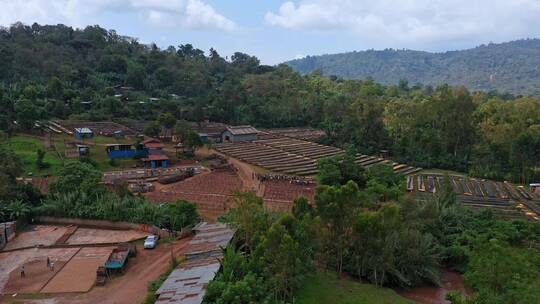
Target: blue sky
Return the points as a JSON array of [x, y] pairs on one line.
[[278, 30]]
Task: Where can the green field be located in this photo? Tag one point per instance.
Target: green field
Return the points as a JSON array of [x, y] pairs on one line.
[[325, 287], [26, 147]]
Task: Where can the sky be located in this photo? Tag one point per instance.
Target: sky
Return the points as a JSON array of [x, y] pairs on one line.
[[277, 30]]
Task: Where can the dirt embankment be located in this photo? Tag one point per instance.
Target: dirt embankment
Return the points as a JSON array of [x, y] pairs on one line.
[[436, 295]]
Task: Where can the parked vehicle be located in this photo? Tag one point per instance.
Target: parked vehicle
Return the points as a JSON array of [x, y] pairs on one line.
[[151, 242], [118, 259]]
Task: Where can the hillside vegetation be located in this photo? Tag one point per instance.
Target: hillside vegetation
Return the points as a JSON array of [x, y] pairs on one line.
[[57, 72], [507, 67]]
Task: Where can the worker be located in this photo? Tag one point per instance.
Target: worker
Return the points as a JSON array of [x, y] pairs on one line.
[[23, 274], [48, 262], [52, 266]]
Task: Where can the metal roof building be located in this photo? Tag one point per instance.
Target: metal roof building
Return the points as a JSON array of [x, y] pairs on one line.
[[209, 240], [239, 133], [81, 133], [187, 283]]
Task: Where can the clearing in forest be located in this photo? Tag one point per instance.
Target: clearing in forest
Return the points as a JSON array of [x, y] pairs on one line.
[[325, 287]]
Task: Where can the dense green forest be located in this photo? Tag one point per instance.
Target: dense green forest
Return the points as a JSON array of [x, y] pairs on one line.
[[64, 73], [507, 67]]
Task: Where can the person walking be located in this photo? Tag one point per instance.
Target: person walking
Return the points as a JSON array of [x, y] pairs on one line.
[[23, 271], [48, 262]]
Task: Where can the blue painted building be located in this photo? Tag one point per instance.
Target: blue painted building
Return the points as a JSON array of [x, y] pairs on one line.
[[82, 133], [157, 160], [122, 151], [156, 157]]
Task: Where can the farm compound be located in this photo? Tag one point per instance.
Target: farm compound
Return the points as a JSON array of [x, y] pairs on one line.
[[294, 156]]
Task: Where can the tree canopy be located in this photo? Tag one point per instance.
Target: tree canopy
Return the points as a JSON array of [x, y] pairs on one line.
[[507, 67], [57, 72]]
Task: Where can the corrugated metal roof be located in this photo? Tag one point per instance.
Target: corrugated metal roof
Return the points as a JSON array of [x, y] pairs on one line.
[[242, 130], [83, 130], [209, 238], [157, 157], [150, 140], [154, 145], [187, 283]]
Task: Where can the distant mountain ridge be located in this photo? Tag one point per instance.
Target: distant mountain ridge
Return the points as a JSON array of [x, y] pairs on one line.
[[512, 67]]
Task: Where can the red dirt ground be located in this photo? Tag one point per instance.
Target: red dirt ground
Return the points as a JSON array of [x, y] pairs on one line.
[[37, 275], [210, 191], [131, 287], [436, 295], [213, 191], [79, 274], [12, 261], [37, 235], [279, 195], [95, 236]]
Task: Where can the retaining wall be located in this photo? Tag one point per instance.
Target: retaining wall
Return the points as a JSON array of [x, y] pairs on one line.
[[102, 224]]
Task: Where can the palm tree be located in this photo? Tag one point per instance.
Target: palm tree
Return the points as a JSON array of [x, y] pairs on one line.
[[18, 209]]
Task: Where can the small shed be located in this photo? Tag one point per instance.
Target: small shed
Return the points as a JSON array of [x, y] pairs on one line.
[[157, 160], [203, 137], [180, 147], [81, 133], [153, 144], [239, 133], [156, 156], [535, 187], [83, 150]]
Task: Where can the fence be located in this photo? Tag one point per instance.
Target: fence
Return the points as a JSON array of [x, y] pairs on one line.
[[7, 232]]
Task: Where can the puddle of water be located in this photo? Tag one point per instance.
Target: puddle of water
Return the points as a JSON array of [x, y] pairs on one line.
[[435, 295]]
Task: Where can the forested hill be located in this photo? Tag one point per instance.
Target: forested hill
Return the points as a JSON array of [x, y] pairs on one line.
[[57, 72], [507, 67]]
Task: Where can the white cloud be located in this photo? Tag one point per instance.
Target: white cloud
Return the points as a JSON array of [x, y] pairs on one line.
[[404, 23], [193, 14], [190, 14]]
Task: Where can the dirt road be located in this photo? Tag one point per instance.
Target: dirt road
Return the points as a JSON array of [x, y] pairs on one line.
[[246, 174]]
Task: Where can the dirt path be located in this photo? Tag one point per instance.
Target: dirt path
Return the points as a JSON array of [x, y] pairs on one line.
[[131, 287], [436, 295], [246, 174]]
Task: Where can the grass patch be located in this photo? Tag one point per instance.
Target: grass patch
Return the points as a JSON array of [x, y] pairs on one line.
[[110, 140], [325, 287], [26, 146]]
